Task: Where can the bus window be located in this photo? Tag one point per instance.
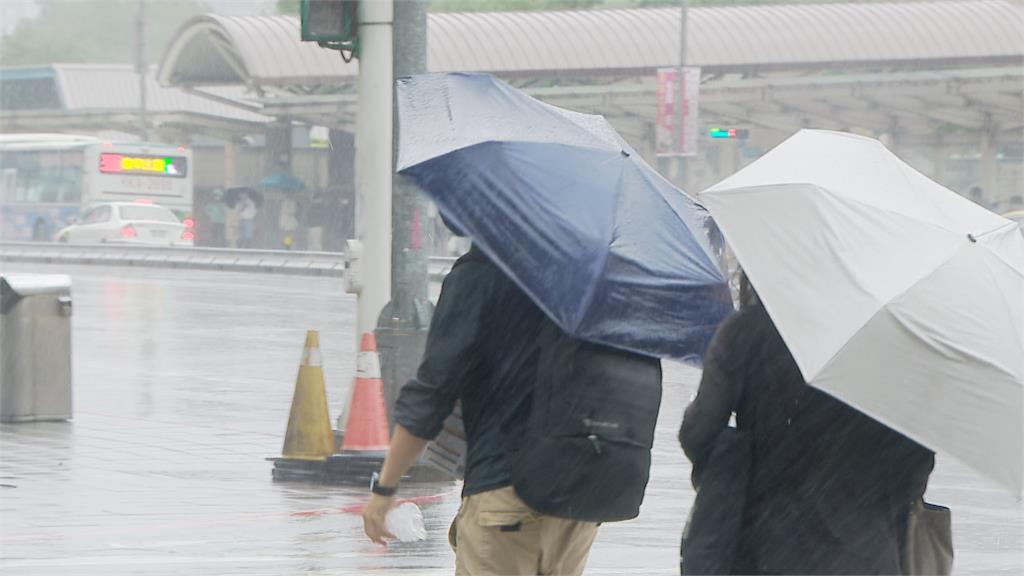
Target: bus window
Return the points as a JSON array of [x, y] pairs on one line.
[[8, 184]]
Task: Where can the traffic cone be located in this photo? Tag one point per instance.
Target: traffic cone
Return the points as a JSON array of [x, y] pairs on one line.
[[367, 429], [309, 435]]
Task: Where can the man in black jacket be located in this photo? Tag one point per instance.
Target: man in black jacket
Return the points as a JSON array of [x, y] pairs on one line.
[[482, 350], [830, 487]]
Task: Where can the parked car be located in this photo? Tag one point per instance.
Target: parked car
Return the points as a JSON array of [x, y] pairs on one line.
[[128, 223]]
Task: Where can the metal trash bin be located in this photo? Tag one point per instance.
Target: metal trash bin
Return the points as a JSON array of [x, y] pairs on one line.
[[35, 347]]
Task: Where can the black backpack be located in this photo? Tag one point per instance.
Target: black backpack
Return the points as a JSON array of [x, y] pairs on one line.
[[587, 451]]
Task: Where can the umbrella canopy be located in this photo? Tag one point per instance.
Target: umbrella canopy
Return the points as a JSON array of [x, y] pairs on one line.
[[282, 181], [893, 293], [609, 249], [233, 195]]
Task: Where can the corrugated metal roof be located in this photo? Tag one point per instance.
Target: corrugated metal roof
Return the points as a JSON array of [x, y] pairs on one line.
[[267, 50]]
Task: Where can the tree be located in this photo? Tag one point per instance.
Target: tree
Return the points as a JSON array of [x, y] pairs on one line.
[[99, 31]]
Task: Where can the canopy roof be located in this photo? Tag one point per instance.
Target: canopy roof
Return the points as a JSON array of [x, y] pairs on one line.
[[106, 97], [266, 50]]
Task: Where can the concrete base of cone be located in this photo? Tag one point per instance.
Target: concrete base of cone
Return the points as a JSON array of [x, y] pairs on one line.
[[352, 469], [347, 468]]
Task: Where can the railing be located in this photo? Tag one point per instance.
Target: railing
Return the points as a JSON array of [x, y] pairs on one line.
[[271, 261]]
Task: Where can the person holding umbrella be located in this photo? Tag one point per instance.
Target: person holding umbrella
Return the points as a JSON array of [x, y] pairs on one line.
[[586, 267], [828, 488], [900, 300]]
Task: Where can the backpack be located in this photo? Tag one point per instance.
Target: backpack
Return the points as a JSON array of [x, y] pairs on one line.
[[586, 454]]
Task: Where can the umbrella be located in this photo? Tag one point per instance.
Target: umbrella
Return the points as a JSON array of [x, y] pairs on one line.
[[893, 293], [233, 195], [610, 250], [282, 181]]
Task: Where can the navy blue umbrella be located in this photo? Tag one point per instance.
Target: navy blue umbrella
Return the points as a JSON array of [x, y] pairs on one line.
[[609, 249]]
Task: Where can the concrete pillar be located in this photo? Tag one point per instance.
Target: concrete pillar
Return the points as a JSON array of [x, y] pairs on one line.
[[402, 326], [941, 160], [277, 153], [340, 195], [987, 167], [230, 164]]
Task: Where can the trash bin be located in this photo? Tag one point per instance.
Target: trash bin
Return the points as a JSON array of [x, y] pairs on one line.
[[35, 347]]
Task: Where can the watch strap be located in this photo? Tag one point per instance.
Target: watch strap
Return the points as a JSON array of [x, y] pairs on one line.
[[379, 489]]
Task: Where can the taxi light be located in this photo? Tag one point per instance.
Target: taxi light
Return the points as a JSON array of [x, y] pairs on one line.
[[189, 223], [129, 232], [188, 235]]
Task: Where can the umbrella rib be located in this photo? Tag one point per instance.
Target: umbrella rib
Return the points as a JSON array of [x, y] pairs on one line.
[[1006, 301], [592, 292], [709, 260], [882, 308], [783, 185]]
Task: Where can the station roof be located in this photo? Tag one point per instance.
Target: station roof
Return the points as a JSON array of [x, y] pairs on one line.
[[106, 96], [266, 50]]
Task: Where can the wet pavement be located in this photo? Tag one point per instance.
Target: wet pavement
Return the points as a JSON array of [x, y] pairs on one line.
[[182, 387]]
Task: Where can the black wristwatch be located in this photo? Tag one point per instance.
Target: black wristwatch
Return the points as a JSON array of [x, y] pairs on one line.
[[379, 489]]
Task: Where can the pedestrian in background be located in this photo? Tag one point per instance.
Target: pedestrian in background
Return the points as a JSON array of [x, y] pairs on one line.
[[829, 487], [288, 221], [246, 209], [216, 217], [314, 220], [232, 220], [482, 350]]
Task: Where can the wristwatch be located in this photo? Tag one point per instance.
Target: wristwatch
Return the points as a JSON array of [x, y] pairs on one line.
[[380, 489]]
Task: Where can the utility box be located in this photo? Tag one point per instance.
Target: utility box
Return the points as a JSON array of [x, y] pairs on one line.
[[35, 347]]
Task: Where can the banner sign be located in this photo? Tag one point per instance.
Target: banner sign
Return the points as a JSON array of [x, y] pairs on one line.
[[681, 141]]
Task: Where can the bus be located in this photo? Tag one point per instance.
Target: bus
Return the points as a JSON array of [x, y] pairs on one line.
[[48, 180]]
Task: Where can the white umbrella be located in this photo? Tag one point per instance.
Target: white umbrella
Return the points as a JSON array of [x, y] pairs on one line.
[[893, 293]]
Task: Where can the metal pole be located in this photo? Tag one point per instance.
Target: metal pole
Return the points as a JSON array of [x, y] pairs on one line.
[[141, 67], [402, 326], [684, 8], [373, 158], [409, 254]]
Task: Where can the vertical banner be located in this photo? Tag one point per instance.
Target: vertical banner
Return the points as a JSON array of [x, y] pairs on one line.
[[682, 140]]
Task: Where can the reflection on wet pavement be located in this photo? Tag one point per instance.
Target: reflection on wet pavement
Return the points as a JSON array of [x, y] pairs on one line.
[[182, 387]]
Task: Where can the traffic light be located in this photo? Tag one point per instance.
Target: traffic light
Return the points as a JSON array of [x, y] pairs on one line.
[[331, 23], [731, 133]]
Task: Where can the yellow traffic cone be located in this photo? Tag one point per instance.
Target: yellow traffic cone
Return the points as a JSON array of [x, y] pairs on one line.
[[309, 435]]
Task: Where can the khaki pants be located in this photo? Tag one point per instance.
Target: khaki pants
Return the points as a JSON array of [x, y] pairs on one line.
[[496, 534]]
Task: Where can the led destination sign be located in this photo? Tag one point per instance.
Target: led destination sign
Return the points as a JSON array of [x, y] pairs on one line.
[[172, 166]]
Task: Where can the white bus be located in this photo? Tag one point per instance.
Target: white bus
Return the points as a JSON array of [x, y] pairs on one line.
[[48, 180]]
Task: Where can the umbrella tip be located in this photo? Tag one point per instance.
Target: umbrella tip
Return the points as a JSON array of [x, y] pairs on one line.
[[972, 238], [624, 153]]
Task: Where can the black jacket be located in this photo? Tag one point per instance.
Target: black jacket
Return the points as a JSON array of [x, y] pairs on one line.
[[829, 486], [481, 349]]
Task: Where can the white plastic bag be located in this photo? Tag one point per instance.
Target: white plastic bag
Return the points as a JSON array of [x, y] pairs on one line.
[[405, 521]]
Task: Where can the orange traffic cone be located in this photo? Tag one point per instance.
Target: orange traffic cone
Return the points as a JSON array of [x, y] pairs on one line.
[[367, 428], [309, 435]]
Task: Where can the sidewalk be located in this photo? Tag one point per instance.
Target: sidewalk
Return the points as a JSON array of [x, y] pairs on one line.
[[182, 388]]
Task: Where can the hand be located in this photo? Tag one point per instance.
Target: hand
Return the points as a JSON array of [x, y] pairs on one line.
[[373, 518]]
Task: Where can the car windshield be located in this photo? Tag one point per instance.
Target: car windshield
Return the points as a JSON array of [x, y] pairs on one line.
[[151, 213]]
